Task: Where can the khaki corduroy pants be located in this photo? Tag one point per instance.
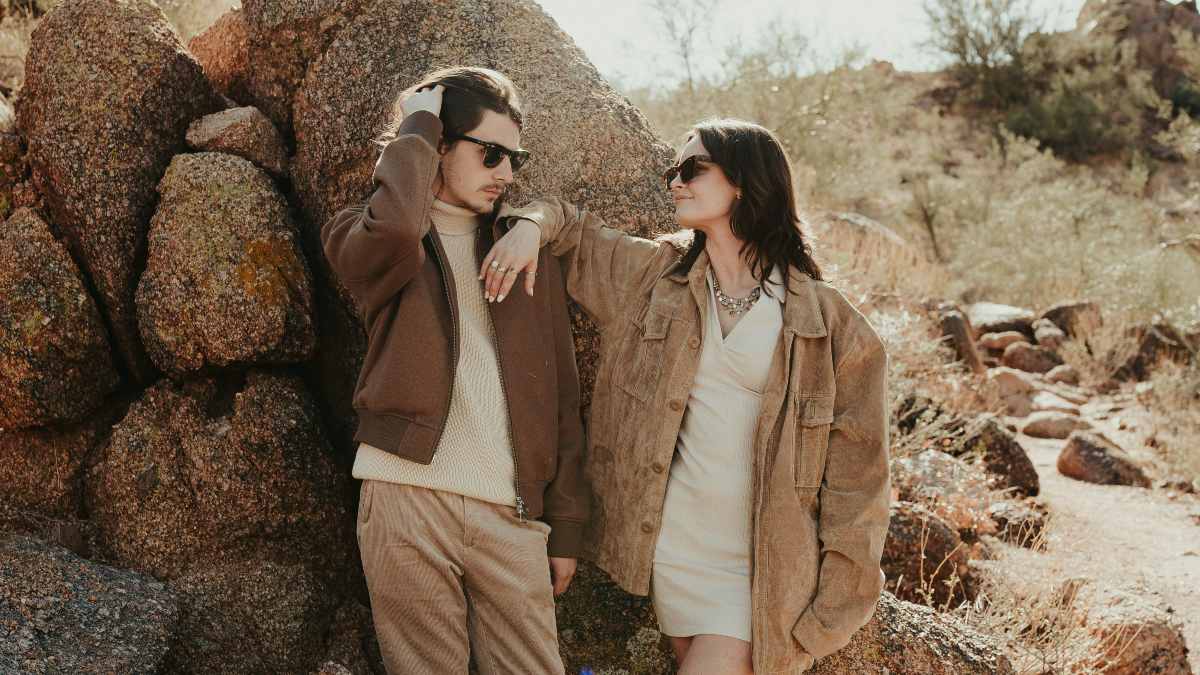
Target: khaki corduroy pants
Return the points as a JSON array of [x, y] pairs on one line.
[[451, 577]]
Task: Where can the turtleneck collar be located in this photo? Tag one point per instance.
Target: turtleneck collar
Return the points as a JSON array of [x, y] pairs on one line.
[[454, 220]]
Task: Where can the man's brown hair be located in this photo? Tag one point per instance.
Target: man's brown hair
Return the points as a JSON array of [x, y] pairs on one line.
[[469, 91]]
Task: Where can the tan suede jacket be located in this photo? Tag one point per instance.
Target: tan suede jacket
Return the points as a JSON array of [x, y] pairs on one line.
[[821, 486]]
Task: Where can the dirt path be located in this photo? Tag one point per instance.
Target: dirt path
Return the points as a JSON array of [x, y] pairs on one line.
[[1121, 536]]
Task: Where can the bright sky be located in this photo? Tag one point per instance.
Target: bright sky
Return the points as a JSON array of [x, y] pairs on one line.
[[621, 36]]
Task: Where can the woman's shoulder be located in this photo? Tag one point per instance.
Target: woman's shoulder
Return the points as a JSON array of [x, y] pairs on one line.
[[842, 317]]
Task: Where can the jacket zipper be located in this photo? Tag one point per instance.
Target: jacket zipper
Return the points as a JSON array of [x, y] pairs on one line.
[[445, 269], [508, 426], [512, 446]]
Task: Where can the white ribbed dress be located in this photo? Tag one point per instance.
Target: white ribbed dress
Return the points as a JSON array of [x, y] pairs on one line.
[[701, 580]]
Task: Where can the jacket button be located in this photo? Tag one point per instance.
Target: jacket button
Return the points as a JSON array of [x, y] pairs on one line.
[[657, 467], [676, 405], [694, 342], [647, 528]]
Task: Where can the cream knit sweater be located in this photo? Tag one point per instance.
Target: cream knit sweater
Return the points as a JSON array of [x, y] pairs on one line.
[[474, 457]]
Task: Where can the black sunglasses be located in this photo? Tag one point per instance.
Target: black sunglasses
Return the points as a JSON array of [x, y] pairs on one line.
[[686, 170], [496, 153]]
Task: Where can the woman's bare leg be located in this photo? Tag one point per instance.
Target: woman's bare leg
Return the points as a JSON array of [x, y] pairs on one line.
[[717, 655], [680, 646]]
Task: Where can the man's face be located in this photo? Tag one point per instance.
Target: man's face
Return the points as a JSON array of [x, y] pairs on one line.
[[464, 180]]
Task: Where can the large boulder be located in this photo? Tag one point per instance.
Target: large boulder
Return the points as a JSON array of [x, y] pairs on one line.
[[55, 361], [1091, 457], [225, 282], [218, 471], [903, 638], [251, 617], [1137, 632], [924, 558], [258, 54], [102, 123], [60, 613], [601, 626], [42, 468], [353, 646], [1001, 454]]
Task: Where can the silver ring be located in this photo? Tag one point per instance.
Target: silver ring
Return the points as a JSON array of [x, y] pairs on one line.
[[495, 264]]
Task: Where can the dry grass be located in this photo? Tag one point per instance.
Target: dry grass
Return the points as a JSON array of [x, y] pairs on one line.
[[1097, 352], [1172, 396], [15, 28], [1042, 627]]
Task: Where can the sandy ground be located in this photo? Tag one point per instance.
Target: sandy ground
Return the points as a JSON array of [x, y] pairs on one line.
[[1119, 536]]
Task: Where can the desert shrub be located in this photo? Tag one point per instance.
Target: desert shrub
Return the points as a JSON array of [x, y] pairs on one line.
[[1173, 399], [983, 40], [1087, 97], [1069, 122]]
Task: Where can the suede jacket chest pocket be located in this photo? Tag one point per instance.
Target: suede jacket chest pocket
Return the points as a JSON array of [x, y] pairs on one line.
[[640, 362], [814, 419]]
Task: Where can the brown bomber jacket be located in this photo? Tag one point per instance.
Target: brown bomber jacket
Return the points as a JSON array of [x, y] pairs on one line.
[[392, 262]]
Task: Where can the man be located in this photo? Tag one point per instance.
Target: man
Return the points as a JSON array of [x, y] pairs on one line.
[[473, 501]]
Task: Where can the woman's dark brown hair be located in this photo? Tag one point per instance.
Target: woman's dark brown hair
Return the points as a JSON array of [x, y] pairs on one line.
[[765, 218], [469, 91]]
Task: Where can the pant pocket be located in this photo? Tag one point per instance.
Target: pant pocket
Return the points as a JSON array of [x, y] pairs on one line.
[[365, 493]]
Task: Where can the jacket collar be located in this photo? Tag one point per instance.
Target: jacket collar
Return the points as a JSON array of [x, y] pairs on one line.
[[801, 308]]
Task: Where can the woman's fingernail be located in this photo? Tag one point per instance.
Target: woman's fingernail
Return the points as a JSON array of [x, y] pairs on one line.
[[500, 299]]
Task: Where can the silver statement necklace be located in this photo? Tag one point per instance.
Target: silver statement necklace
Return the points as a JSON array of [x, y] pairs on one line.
[[735, 306]]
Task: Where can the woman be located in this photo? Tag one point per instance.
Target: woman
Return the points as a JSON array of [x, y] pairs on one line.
[[738, 435]]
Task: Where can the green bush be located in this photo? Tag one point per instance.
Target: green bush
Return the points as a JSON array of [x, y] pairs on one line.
[[1186, 98], [1067, 122]]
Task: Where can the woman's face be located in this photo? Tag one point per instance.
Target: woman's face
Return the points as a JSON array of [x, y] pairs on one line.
[[705, 202]]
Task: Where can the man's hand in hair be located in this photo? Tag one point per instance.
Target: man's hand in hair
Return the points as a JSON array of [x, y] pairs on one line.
[[428, 99]]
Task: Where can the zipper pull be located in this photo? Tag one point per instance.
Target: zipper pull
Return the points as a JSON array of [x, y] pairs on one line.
[[520, 508]]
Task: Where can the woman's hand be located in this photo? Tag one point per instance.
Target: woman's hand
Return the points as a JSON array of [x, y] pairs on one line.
[[428, 99], [516, 252]]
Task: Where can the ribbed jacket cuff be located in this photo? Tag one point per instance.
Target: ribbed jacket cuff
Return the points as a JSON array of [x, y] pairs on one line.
[[424, 124], [815, 638], [566, 539]]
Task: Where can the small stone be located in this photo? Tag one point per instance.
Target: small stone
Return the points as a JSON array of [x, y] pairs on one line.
[[1093, 458], [1048, 424]]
